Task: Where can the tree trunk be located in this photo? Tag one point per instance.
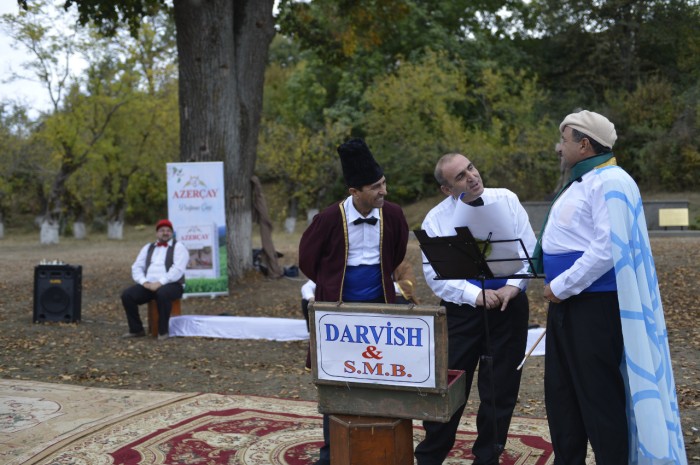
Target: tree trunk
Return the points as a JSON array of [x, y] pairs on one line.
[[310, 213], [222, 50], [290, 222], [79, 230], [116, 209], [55, 200], [49, 231], [115, 229]]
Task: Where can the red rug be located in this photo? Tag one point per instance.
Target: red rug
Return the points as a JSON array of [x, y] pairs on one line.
[[211, 429]]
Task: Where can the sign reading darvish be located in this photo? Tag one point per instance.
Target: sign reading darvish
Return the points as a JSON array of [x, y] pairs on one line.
[[375, 348]]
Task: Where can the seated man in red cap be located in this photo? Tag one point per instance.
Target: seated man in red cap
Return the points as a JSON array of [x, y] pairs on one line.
[[159, 271]]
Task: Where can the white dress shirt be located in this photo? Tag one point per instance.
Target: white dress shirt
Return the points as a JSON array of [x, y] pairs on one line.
[[579, 222], [438, 223], [308, 290], [363, 238], [156, 271]]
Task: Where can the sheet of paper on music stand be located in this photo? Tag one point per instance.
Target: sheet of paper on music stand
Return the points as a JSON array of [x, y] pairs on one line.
[[494, 218]]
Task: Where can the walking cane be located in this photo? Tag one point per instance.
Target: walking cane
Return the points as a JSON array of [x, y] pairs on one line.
[[531, 349]]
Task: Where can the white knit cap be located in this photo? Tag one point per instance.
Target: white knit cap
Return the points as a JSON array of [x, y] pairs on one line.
[[595, 125]]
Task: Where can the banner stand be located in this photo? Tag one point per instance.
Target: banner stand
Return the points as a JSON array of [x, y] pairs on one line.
[[196, 207]]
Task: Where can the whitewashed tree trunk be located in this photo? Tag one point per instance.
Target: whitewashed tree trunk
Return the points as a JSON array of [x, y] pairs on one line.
[[115, 230], [79, 230], [49, 232], [310, 213], [289, 224]]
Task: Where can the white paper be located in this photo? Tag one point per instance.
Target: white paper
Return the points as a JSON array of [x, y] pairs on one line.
[[495, 219]]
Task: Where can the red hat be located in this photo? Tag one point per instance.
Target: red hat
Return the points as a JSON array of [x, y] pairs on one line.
[[162, 223]]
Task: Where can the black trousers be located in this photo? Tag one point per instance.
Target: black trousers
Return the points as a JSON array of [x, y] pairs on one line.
[[466, 345], [583, 387], [136, 295]]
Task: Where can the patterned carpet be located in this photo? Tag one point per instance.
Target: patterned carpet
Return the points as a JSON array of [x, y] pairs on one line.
[[50, 424]]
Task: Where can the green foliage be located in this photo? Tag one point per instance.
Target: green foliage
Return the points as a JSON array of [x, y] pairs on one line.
[[108, 14], [304, 162], [206, 285], [297, 142], [118, 118], [416, 78], [512, 141], [660, 144], [587, 47], [14, 175], [410, 122], [414, 117]]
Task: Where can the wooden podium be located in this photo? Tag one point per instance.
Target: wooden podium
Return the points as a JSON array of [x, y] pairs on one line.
[[371, 419], [363, 440]]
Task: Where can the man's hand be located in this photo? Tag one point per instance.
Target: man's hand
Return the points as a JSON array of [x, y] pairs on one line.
[[152, 286], [493, 300], [549, 295], [506, 293]]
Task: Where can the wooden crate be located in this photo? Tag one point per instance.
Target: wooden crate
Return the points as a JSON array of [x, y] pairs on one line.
[[153, 315]]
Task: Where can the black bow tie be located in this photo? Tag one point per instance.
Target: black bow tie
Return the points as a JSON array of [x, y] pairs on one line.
[[476, 202], [371, 220]]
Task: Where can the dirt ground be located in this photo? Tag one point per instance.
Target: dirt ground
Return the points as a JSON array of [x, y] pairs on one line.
[[92, 354]]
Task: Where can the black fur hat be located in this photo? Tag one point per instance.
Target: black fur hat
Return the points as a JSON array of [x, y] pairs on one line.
[[359, 166]]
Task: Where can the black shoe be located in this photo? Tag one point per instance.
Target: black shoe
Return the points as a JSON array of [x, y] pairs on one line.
[[141, 333], [322, 462]]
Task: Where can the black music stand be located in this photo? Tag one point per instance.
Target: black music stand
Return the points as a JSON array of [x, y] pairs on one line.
[[464, 257]]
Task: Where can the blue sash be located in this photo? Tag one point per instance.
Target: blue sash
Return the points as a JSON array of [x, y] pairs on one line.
[[489, 283], [363, 283], [554, 265]]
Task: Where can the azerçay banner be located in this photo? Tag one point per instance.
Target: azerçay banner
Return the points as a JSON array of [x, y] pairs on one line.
[[375, 348], [196, 209]]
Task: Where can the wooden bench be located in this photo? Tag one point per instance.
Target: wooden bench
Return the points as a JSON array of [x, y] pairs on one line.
[[670, 217], [153, 315]]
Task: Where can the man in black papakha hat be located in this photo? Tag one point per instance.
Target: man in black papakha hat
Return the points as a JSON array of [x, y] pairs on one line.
[[352, 247]]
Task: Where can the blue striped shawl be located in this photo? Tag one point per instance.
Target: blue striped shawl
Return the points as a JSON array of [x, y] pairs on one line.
[[656, 439]]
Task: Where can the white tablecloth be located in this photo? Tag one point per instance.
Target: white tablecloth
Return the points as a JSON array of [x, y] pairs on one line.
[[239, 327]]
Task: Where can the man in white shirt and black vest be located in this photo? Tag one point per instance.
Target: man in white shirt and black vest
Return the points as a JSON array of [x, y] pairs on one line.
[[159, 271]]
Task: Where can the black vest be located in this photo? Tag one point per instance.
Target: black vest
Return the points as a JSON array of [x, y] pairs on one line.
[[168, 258]]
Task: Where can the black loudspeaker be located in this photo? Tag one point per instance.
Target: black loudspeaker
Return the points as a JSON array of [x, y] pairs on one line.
[[57, 293]]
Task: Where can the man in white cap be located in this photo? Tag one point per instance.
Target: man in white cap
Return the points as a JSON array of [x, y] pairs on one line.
[[608, 376]]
